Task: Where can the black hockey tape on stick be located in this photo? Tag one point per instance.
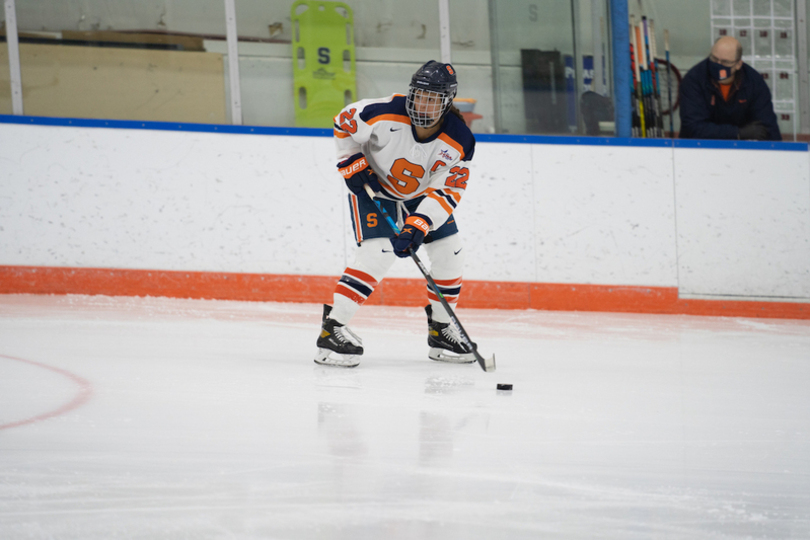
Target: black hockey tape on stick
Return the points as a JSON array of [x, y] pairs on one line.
[[487, 364]]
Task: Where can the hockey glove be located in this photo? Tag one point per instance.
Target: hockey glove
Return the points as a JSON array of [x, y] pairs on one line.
[[411, 236], [753, 131], [356, 171]]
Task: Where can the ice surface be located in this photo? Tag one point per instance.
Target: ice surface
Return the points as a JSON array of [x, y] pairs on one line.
[[163, 418]]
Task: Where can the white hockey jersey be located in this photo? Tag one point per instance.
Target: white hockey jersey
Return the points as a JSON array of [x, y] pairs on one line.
[[436, 168]]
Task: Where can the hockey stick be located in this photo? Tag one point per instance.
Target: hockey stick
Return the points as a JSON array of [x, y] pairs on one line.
[[669, 86], [487, 364], [637, 69], [656, 79], [649, 47], [634, 94]]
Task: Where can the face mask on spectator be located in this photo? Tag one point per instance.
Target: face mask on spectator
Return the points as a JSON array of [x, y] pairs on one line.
[[719, 71]]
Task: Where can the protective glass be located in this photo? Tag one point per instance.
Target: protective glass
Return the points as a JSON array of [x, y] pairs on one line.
[[426, 107]]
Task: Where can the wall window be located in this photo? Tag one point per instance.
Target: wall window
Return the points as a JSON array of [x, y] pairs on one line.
[[293, 53], [766, 28], [524, 66], [5, 80], [550, 67], [122, 60]]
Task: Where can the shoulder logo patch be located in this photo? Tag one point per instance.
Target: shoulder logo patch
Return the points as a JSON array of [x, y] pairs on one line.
[[445, 154]]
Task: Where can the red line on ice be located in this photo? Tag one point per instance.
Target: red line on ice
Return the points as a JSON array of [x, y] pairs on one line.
[[85, 391]]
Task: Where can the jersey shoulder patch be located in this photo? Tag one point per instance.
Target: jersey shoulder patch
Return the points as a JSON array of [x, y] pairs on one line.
[[392, 109], [456, 130]]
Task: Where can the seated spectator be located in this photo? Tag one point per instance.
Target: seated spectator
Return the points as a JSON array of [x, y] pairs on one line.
[[724, 98]]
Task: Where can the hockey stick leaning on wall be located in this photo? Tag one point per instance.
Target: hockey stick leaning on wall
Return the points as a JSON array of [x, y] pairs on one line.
[[487, 364]]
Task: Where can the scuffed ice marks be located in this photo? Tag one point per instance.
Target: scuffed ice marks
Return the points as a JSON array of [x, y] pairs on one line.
[[448, 385]]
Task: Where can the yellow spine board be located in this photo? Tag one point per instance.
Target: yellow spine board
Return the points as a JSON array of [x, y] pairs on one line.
[[323, 61]]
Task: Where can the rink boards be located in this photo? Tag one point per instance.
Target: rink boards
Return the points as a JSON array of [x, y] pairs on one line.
[[131, 208]]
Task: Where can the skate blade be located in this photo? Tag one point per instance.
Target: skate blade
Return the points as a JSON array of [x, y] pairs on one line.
[[325, 357], [443, 355]]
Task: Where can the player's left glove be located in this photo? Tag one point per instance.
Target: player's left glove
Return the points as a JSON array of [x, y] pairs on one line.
[[356, 171], [412, 235]]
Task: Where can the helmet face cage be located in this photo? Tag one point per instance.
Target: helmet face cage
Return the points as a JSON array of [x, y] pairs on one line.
[[426, 107], [431, 93]]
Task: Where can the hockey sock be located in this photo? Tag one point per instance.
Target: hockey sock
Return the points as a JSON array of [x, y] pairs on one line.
[[351, 292], [372, 260], [446, 265], [439, 313]]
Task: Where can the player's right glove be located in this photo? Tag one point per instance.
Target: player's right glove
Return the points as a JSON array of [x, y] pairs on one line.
[[756, 130], [356, 171]]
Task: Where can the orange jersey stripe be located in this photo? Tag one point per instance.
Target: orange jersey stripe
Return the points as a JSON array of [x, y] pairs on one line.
[[441, 201], [341, 135], [446, 138], [456, 196], [390, 118]]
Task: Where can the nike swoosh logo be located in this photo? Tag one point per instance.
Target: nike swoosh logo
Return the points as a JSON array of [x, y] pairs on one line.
[[457, 252], [388, 251], [392, 129]]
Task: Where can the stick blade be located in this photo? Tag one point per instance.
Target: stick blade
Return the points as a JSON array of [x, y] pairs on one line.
[[487, 364]]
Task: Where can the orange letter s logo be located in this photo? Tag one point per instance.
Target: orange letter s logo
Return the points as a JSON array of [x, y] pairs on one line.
[[405, 176]]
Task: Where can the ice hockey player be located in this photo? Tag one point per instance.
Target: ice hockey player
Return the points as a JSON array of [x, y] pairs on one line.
[[414, 151]]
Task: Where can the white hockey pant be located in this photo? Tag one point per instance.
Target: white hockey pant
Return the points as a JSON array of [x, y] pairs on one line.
[[374, 258]]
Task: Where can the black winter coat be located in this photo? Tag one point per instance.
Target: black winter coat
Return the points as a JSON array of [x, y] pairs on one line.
[[706, 115]]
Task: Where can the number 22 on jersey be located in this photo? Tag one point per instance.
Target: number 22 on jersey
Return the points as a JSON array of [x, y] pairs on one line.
[[458, 177], [347, 122]]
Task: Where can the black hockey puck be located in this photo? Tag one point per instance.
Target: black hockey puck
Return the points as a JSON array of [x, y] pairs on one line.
[[504, 387]]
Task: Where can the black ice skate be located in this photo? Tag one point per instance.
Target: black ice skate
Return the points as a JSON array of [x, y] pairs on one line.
[[445, 342], [337, 345]]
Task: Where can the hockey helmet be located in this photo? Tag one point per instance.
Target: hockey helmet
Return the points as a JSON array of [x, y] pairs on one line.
[[431, 93]]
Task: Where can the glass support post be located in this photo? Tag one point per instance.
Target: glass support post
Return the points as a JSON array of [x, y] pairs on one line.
[[444, 30], [495, 53], [578, 68], [598, 36], [620, 39], [12, 40], [804, 78], [233, 62]]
